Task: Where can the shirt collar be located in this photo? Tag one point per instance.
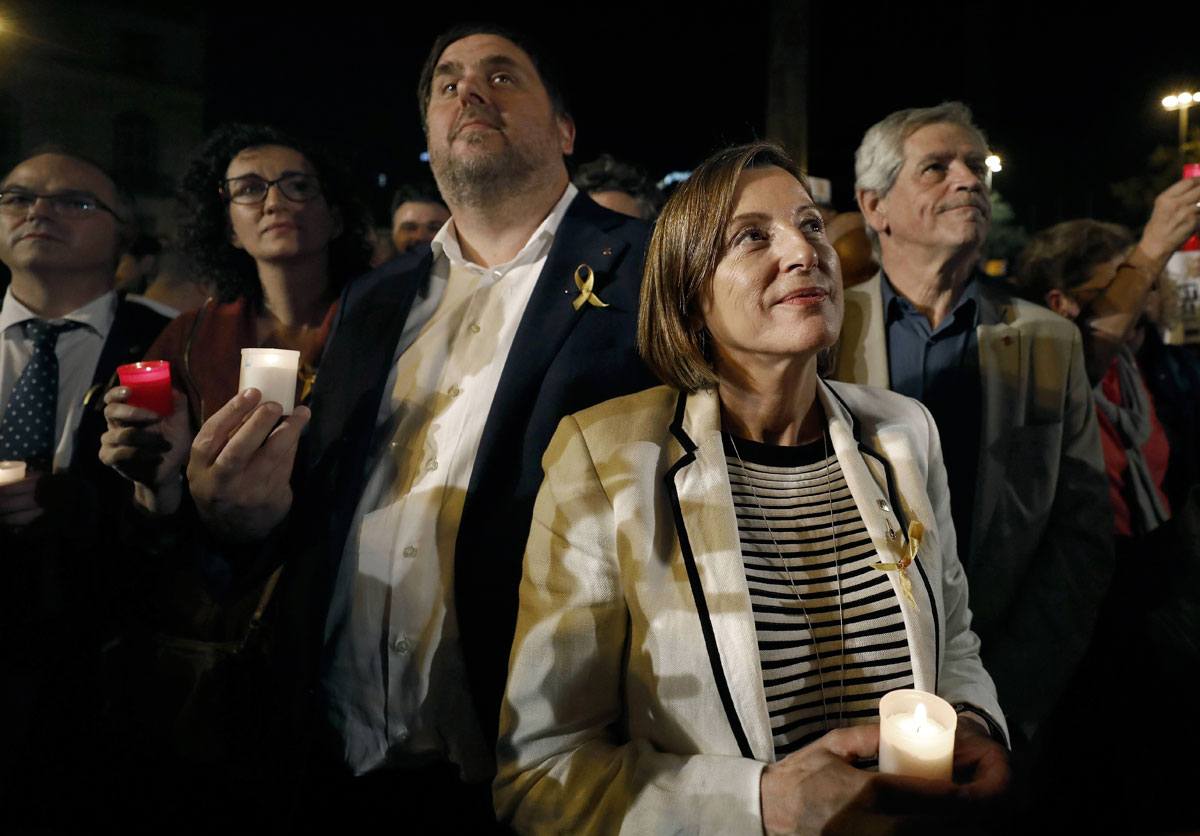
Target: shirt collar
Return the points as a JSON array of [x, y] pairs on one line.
[[97, 315], [897, 307], [445, 243]]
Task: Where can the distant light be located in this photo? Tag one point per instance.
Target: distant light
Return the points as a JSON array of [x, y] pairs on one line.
[[382, 180], [993, 163], [1170, 101], [674, 177], [424, 156], [1185, 98]]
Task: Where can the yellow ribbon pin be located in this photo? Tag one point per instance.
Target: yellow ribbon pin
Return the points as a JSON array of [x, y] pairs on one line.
[[915, 532], [585, 288]]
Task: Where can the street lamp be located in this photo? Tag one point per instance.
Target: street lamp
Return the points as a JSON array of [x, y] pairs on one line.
[[993, 163], [1181, 102]]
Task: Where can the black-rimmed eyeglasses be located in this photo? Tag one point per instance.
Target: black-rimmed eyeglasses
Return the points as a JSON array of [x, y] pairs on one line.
[[251, 188], [66, 204]]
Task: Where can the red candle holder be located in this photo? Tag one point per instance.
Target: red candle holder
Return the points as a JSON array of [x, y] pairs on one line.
[[149, 385]]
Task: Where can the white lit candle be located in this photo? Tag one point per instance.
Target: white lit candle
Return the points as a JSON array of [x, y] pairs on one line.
[[271, 371], [11, 472], [916, 735]]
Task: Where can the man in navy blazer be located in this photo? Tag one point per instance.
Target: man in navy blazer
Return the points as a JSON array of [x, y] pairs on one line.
[[410, 490]]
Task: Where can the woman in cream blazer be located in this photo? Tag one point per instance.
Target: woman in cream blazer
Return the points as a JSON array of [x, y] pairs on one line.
[[635, 701]]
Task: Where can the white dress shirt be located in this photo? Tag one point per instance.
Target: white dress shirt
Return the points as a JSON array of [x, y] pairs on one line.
[[394, 680], [78, 352]]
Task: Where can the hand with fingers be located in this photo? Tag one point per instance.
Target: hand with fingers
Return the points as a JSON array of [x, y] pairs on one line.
[[981, 765], [1175, 218], [18, 502], [817, 790], [240, 468], [149, 449]]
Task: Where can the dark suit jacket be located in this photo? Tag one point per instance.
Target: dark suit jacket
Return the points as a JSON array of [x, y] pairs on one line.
[[562, 360], [82, 501], [63, 593]]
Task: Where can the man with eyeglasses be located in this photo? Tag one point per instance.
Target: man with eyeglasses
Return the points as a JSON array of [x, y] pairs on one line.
[[63, 332]]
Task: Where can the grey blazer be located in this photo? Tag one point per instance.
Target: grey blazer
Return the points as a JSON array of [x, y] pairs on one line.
[[1041, 552]]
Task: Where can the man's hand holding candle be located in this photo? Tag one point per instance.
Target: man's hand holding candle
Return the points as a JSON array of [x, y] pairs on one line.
[[149, 449], [241, 467], [981, 765], [18, 502]]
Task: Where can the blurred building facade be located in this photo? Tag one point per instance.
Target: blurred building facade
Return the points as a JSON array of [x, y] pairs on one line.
[[122, 84]]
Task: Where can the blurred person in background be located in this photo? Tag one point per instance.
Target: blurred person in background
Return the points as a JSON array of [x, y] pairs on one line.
[[64, 224], [271, 220], [620, 187], [1098, 276], [418, 212]]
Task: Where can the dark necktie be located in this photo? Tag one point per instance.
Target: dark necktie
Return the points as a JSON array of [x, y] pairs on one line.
[[27, 431]]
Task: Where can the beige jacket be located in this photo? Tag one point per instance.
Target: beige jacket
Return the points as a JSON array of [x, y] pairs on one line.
[[635, 700], [1041, 554]]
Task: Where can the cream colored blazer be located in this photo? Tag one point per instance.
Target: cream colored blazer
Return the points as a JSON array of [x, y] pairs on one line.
[[635, 700]]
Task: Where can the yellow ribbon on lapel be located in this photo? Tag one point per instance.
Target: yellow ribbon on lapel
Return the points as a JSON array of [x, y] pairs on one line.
[[915, 532], [585, 288]]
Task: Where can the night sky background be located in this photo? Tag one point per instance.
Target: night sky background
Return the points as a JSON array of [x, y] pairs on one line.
[[1069, 96]]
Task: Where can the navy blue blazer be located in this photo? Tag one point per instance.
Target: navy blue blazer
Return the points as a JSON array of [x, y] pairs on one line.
[[562, 360]]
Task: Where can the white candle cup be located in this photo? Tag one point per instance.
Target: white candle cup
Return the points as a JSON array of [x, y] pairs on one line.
[[11, 472], [271, 371], [913, 745]]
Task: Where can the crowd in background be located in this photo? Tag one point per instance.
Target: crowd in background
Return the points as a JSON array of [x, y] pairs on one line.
[[235, 614]]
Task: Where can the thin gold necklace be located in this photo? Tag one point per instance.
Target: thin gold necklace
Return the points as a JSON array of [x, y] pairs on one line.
[[837, 573]]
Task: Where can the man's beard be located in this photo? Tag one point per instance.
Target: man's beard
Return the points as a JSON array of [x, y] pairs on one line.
[[486, 179]]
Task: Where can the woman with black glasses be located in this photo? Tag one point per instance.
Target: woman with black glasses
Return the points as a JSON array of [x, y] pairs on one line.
[[271, 220]]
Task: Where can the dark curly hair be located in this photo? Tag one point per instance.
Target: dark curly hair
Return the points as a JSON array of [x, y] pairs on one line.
[[204, 225]]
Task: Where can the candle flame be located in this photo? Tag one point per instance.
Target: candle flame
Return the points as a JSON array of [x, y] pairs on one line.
[[919, 716]]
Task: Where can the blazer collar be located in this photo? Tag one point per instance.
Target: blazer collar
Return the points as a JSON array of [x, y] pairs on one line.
[[583, 239], [698, 487], [359, 350]]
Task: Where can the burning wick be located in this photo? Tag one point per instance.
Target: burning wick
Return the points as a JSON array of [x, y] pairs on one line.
[[919, 716]]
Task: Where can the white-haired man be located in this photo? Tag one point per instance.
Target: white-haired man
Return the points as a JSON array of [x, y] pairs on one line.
[[1006, 384]]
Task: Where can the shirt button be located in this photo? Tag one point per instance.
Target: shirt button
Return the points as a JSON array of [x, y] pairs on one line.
[[474, 327], [401, 644], [431, 465], [455, 391], [496, 274], [410, 551], [394, 444]]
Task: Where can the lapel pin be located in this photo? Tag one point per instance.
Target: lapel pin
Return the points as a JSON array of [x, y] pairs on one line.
[[915, 532], [585, 280], [607, 251], [1007, 340]]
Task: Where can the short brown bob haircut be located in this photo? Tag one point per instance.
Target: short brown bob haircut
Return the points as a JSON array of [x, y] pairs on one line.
[[688, 242]]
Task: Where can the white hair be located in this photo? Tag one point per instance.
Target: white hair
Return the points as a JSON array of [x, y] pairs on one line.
[[879, 157]]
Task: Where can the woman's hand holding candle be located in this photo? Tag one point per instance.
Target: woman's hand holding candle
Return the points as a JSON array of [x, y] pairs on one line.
[[240, 468], [147, 448], [818, 790]]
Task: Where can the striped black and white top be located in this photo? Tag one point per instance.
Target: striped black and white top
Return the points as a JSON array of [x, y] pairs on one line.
[[784, 498]]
